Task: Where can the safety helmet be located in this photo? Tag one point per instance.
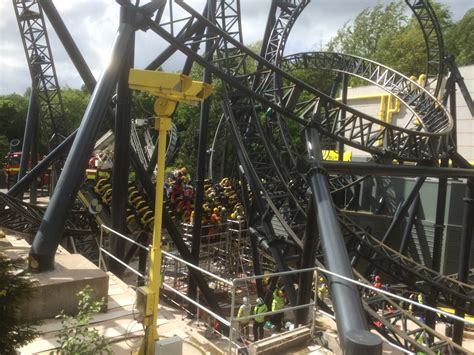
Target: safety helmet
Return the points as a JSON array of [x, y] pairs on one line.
[[281, 293], [246, 300], [260, 301]]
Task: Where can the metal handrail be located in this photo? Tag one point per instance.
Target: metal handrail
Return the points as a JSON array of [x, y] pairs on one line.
[[125, 237]]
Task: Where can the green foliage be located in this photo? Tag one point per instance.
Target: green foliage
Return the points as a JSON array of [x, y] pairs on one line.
[[385, 34], [4, 147], [76, 336], [13, 111], [75, 102], [370, 26], [460, 39], [142, 104], [15, 290], [187, 119]]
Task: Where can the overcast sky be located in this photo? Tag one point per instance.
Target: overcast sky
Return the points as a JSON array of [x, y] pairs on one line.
[[93, 25]]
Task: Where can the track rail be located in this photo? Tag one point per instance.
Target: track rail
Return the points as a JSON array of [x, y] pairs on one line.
[[401, 327], [434, 43], [25, 218]]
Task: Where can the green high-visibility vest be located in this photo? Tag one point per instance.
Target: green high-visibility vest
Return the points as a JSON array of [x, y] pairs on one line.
[[258, 310], [277, 303]]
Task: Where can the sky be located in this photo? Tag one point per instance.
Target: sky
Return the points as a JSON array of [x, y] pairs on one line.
[[93, 25]]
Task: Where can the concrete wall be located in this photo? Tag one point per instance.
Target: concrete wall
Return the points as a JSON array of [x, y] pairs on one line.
[[465, 122]]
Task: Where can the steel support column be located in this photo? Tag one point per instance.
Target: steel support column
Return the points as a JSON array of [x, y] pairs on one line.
[[68, 43], [438, 241], [121, 151], [307, 261], [403, 209], [465, 252], [409, 225], [350, 316], [49, 235], [345, 84], [30, 131], [200, 173], [34, 162]]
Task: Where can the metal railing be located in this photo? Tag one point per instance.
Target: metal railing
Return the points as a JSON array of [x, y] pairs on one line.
[[110, 255], [234, 285]]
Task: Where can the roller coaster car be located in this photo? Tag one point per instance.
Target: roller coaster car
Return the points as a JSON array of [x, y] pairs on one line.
[[96, 174]]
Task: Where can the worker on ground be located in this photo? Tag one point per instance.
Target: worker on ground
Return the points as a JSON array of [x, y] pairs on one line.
[[278, 304], [323, 289], [420, 311], [244, 311], [422, 339], [259, 321]]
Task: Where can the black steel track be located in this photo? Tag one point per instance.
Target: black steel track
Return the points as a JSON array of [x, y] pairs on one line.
[[434, 44]]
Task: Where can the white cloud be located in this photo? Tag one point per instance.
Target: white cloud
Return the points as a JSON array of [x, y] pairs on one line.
[[93, 25]]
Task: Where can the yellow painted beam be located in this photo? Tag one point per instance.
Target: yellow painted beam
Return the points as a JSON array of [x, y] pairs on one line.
[[170, 89]]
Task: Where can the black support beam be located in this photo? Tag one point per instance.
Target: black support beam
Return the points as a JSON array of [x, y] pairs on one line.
[[350, 316], [50, 233], [121, 153]]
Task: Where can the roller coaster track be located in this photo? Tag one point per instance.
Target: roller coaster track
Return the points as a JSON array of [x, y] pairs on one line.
[[434, 44], [25, 218], [409, 92], [37, 48], [263, 186], [405, 269], [413, 142], [401, 327]]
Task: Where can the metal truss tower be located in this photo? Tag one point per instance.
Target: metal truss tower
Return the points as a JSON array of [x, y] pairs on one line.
[[37, 48]]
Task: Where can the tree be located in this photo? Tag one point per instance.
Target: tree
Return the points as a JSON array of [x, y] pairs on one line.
[[15, 290], [385, 34], [74, 102], [13, 111], [460, 39], [370, 26]]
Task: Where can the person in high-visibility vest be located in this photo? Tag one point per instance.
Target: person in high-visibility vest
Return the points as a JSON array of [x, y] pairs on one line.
[[259, 321], [244, 311], [422, 339], [278, 304]]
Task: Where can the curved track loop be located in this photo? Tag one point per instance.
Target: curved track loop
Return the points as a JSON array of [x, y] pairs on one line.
[[419, 101], [434, 44]]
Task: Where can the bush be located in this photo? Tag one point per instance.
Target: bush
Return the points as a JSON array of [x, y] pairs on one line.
[[15, 290], [76, 336]]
